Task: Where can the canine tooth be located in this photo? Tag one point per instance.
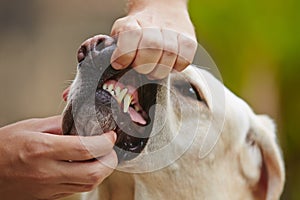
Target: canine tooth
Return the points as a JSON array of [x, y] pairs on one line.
[[121, 95], [113, 93], [110, 87], [104, 86], [127, 101], [117, 90]]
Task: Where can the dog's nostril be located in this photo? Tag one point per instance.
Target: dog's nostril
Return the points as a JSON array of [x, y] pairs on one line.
[[100, 43], [81, 53], [100, 40]]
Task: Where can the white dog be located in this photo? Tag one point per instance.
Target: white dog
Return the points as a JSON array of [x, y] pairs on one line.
[[191, 137]]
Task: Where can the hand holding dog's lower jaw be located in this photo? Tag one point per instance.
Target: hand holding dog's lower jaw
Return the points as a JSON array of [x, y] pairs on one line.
[[35, 160], [155, 38]]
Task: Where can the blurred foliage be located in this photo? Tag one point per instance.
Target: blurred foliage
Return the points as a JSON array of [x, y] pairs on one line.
[[240, 34]]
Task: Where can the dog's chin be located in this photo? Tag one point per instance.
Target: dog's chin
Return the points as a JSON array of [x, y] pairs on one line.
[[124, 107]]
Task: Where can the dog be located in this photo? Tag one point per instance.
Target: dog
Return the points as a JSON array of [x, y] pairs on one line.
[[184, 137]]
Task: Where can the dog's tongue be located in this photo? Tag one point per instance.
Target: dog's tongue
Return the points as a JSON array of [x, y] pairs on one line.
[[135, 116]]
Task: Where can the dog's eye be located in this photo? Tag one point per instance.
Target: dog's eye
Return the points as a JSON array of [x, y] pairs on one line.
[[189, 90]]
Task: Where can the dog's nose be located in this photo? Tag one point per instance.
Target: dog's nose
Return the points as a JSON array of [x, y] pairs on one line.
[[96, 43]]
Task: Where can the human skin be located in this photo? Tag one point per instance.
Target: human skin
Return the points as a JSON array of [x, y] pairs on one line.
[[156, 37], [37, 162]]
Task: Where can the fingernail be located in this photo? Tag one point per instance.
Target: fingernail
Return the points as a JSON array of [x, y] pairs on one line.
[[117, 66], [113, 135]]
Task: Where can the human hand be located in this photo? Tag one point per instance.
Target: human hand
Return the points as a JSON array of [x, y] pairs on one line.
[[37, 162], [155, 37]]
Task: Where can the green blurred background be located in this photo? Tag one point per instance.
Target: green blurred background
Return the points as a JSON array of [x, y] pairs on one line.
[[256, 45]]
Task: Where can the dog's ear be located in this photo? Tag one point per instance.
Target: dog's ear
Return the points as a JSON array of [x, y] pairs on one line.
[[261, 160]]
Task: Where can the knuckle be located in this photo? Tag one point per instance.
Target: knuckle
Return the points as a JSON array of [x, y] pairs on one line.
[[134, 32], [152, 43], [96, 176], [34, 149], [83, 151], [188, 43], [126, 24], [171, 47], [119, 21]]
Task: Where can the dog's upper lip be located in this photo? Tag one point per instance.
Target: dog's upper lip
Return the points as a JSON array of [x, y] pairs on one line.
[[133, 129], [127, 98], [96, 111]]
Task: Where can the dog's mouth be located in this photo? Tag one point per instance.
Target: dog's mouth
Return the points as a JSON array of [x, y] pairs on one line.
[[122, 102], [129, 96]]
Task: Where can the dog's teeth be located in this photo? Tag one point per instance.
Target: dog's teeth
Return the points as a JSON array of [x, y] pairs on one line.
[[117, 90], [121, 95], [113, 93], [110, 87], [104, 86], [136, 108], [127, 101]]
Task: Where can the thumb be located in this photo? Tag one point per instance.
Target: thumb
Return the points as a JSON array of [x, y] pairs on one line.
[[51, 125]]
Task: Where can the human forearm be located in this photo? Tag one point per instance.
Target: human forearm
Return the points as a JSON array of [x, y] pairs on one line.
[[137, 5]]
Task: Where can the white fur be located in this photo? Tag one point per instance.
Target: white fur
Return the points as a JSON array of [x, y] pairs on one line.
[[215, 166]]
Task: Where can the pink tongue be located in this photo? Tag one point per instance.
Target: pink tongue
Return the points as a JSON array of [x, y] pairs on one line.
[[136, 117]]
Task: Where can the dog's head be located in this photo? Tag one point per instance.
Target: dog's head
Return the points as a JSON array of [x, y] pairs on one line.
[[189, 117], [103, 99]]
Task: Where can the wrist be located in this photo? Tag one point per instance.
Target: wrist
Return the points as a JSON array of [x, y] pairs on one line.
[[135, 6]]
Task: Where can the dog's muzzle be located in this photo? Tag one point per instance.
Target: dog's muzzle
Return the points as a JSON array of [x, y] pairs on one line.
[[122, 100]]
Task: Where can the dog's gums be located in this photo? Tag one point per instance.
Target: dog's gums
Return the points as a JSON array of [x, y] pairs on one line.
[[129, 111], [127, 98]]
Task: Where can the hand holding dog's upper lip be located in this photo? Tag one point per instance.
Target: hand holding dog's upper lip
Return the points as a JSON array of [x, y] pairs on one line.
[[94, 106]]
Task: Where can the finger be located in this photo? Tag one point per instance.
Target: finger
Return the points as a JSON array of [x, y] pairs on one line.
[[168, 57], [129, 34], [50, 125], [78, 148], [91, 173], [186, 51], [60, 195], [149, 51], [66, 188]]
